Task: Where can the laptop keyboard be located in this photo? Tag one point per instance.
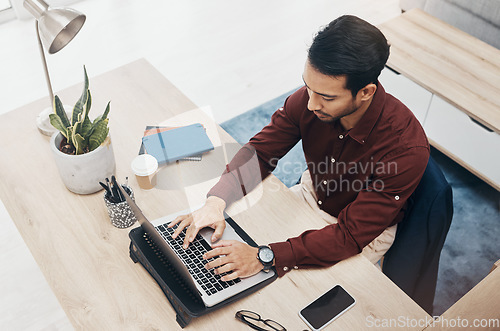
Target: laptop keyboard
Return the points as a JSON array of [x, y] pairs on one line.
[[193, 260]]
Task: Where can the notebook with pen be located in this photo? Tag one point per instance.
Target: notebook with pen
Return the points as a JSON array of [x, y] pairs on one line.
[[191, 289], [172, 144]]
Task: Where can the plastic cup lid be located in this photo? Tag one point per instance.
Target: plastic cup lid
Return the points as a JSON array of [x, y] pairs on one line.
[[144, 165]]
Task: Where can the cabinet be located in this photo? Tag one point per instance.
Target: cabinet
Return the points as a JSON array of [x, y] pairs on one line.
[[451, 81], [471, 144], [415, 97]]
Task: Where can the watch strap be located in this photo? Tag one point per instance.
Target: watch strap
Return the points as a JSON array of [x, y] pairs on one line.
[[266, 265]]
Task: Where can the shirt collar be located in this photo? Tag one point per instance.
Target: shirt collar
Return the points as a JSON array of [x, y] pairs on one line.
[[362, 129]]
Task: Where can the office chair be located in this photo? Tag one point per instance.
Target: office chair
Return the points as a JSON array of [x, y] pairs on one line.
[[413, 260]]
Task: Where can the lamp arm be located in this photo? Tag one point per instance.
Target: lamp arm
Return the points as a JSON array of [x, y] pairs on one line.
[[36, 7], [44, 62]]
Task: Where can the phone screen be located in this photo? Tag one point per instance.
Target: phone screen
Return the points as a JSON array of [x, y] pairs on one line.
[[327, 307]]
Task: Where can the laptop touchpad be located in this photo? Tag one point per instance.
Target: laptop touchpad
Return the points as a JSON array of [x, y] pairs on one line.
[[229, 234]]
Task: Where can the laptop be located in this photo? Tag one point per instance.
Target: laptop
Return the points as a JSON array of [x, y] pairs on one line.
[[189, 262]]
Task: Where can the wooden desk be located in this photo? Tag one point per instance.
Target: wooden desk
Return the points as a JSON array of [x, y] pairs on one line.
[[462, 75], [448, 62], [85, 259], [478, 309]]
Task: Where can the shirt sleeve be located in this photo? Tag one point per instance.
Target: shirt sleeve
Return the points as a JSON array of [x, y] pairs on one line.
[[259, 157], [375, 208]]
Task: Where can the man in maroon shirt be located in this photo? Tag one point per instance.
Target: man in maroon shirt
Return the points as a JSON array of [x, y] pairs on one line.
[[365, 154]]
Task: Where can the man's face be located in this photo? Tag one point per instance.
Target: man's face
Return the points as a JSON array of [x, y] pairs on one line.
[[328, 97]]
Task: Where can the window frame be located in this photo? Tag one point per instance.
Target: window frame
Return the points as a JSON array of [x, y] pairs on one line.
[[7, 14]]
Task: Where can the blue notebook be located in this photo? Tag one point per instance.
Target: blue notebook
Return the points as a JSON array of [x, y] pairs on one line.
[[175, 144]]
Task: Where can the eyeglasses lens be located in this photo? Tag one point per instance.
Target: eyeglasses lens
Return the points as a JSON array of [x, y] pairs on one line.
[[275, 325], [254, 320]]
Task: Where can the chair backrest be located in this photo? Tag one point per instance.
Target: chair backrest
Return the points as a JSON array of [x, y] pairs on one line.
[[413, 260]]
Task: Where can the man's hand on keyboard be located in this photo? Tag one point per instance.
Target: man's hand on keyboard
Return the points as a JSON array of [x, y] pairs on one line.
[[210, 215], [234, 257]]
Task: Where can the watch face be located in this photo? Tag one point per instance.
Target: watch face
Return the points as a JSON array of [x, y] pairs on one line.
[[266, 255]]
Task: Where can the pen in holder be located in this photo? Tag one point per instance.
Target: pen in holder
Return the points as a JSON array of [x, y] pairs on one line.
[[120, 213]]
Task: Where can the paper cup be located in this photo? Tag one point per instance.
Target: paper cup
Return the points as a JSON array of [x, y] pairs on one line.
[[144, 167]]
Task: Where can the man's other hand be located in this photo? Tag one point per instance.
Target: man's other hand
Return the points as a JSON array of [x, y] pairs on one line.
[[210, 215], [234, 257]]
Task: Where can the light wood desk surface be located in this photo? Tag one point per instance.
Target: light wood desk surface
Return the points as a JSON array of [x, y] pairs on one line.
[[86, 260], [450, 63], [477, 310]]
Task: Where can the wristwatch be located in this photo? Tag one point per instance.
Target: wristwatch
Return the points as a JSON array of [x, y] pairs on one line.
[[266, 257]]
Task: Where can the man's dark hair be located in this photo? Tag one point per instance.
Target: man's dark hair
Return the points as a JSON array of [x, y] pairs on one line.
[[351, 47]]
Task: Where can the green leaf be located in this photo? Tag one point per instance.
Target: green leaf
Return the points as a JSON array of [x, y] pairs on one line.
[[88, 104], [77, 128], [99, 135], [79, 143], [59, 111], [78, 108], [86, 129], [69, 137], [106, 111], [57, 123], [104, 115]]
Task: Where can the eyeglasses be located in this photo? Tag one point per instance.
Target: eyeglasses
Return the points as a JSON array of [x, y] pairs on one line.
[[254, 321]]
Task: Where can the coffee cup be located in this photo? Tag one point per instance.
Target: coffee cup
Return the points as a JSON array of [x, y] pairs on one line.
[[144, 167]]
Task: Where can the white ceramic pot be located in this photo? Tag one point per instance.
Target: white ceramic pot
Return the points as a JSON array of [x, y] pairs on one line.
[[82, 173]]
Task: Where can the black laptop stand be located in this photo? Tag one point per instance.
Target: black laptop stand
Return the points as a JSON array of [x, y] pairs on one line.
[[186, 304]]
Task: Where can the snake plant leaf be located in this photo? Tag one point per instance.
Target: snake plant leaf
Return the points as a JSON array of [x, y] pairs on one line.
[[88, 104], [78, 108], [100, 133], [59, 111], [57, 123], [77, 139], [91, 131], [106, 111], [104, 115], [77, 128], [79, 143], [86, 128], [69, 137]]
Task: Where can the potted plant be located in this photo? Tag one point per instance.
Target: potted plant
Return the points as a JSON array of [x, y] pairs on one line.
[[82, 148]]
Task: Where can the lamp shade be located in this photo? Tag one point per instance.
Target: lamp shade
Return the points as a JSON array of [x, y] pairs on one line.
[[57, 26]]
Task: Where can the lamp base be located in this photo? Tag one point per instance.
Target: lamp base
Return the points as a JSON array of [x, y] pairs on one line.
[[43, 121]]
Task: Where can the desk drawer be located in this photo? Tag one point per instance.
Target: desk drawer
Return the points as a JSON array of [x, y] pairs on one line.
[[455, 131], [415, 97]]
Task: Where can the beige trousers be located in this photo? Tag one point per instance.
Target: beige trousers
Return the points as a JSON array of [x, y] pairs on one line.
[[375, 250]]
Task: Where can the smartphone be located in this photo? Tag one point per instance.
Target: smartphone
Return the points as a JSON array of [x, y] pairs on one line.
[[327, 308]]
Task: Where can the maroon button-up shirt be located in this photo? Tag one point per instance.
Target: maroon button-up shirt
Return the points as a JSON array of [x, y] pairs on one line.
[[363, 176]]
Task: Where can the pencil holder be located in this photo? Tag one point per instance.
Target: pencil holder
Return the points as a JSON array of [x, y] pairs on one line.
[[120, 213]]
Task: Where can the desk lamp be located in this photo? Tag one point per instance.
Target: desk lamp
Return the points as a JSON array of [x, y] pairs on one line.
[[56, 27]]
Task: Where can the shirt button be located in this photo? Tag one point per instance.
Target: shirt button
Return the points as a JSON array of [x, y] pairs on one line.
[[332, 159], [325, 182], [341, 136], [396, 197], [285, 269], [320, 202], [295, 267]]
